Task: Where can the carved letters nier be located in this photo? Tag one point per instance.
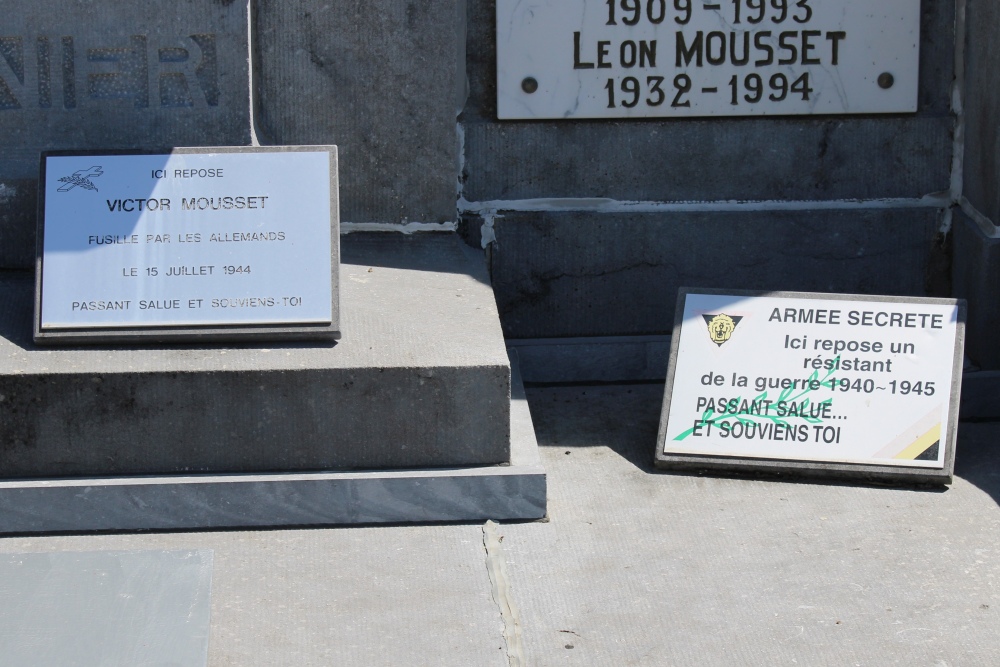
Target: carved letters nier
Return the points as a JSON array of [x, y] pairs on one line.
[[47, 72]]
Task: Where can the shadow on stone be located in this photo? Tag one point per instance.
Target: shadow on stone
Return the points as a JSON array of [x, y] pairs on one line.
[[977, 459]]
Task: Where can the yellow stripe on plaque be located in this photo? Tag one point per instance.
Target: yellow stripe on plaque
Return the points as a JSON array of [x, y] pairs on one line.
[[921, 445], [917, 440]]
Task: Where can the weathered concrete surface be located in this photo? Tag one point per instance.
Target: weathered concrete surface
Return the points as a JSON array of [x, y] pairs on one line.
[[313, 598], [382, 79], [977, 279], [716, 571], [420, 379], [982, 107], [593, 274], [632, 568], [758, 159], [139, 75]]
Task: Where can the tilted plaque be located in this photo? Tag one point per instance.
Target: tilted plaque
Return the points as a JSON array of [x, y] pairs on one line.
[[820, 384]]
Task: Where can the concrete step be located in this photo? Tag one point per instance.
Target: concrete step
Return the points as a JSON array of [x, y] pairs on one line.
[[514, 492], [421, 379]]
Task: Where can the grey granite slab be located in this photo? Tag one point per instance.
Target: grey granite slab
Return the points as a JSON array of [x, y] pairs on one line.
[[593, 360], [981, 396], [511, 492], [420, 379], [385, 81], [105, 608], [718, 160], [594, 274], [84, 75], [976, 277], [982, 105]]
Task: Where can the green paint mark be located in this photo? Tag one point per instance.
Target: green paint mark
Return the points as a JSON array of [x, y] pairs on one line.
[[748, 416]]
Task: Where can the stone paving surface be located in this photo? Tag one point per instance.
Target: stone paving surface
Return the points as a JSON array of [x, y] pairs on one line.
[[633, 567]]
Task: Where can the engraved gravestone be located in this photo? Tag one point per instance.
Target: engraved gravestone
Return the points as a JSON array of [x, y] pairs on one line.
[[79, 75]]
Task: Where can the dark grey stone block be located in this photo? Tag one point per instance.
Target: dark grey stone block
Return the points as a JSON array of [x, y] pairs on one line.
[[976, 277], [750, 159], [593, 360], [510, 492], [596, 274], [982, 106], [18, 215], [384, 80], [815, 158], [980, 396], [84, 75], [419, 379]]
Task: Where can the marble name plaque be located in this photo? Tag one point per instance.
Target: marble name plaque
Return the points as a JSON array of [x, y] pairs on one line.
[[562, 59], [817, 383], [195, 243]]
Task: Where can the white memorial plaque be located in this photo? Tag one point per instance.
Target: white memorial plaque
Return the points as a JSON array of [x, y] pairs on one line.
[[196, 243], [676, 58], [870, 383]]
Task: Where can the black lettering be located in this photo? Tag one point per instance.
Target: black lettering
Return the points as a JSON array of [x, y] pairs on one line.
[[719, 57], [745, 58], [647, 53], [760, 44], [790, 47], [835, 38], [808, 46], [603, 49], [577, 63], [685, 55], [628, 54]]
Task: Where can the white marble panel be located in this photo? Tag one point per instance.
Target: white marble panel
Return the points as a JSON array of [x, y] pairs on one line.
[[678, 58]]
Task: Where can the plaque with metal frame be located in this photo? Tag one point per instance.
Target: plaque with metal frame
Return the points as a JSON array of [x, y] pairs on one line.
[[813, 385], [202, 244]]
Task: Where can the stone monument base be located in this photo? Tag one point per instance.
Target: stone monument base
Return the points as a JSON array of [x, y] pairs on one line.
[[408, 418], [205, 502]]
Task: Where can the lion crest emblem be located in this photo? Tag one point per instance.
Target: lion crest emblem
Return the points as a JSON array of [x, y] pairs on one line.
[[721, 327]]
